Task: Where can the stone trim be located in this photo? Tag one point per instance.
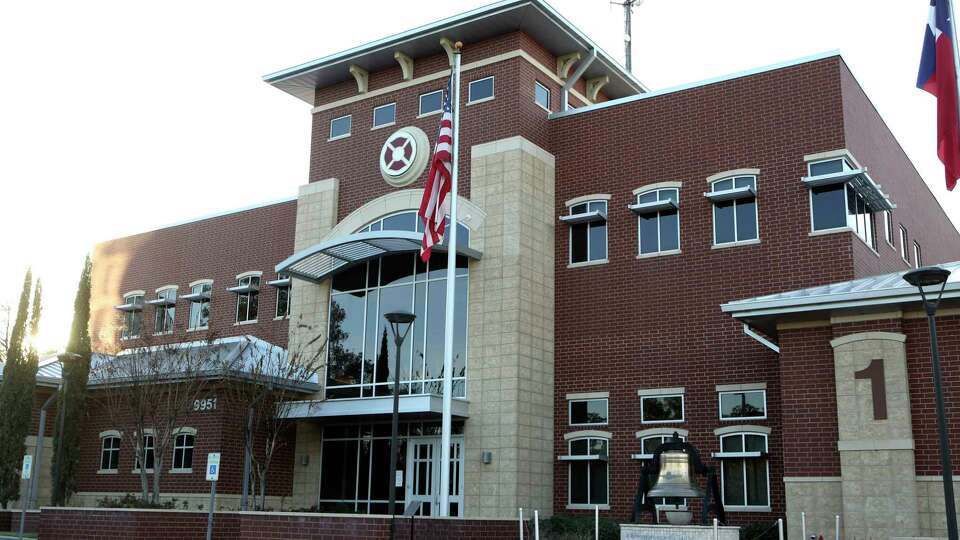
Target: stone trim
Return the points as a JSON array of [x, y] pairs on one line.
[[732, 172], [741, 387], [802, 325], [587, 433], [927, 478], [652, 432], [516, 142], [137, 292], [810, 479], [250, 273], [867, 336], [742, 428], [469, 214], [861, 317], [842, 152], [185, 431], [200, 282], [166, 287], [658, 185], [944, 312], [660, 391], [109, 433], [882, 444], [588, 395], [318, 186]]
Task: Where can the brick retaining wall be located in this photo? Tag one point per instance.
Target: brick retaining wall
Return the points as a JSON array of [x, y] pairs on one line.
[[93, 523], [10, 520]]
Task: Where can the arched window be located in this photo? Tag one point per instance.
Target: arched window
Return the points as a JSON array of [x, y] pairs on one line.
[[109, 451], [658, 220], [362, 355], [734, 209], [744, 472], [587, 469]]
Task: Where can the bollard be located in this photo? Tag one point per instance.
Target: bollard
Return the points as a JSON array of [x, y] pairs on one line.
[[716, 530], [521, 523], [596, 522], [780, 528], [836, 527], [536, 525], [803, 525]]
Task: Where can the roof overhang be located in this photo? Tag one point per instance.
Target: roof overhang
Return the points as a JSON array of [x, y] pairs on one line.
[[860, 181], [534, 17], [428, 405], [322, 260], [881, 293]]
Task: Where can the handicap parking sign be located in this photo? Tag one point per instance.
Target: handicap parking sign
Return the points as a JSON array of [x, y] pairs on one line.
[[213, 467]]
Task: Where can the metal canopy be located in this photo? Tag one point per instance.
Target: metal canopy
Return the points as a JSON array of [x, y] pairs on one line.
[[322, 260], [132, 306], [653, 206], [162, 302], [585, 217], [731, 194], [860, 181], [196, 297], [426, 405], [533, 17]]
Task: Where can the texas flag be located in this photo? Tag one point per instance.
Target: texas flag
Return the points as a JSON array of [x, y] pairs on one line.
[[938, 76]]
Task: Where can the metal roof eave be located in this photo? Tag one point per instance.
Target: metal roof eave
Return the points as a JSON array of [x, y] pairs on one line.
[[301, 80]]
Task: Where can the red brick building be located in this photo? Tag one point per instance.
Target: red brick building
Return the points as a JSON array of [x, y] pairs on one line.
[[602, 227]]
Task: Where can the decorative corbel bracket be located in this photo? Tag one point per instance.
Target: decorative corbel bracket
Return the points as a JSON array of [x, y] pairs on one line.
[[406, 64], [362, 77], [594, 85], [565, 64], [448, 46]]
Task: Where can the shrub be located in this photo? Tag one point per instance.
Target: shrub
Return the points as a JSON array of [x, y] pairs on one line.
[[570, 527], [131, 501]]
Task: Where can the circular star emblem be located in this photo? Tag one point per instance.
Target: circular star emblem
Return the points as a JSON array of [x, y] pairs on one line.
[[404, 156]]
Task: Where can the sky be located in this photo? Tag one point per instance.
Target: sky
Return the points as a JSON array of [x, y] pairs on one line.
[[118, 117]]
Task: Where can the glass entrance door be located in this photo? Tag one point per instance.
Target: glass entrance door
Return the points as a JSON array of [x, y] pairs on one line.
[[423, 475]]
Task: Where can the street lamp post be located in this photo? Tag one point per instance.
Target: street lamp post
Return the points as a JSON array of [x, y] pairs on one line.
[[400, 323], [931, 276]]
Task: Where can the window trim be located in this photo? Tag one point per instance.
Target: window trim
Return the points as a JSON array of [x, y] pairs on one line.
[[904, 239], [683, 408], [570, 403], [713, 180], [164, 307], [587, 435], [493, 90], [888, 227], [236, 312], [917, 254], [276, 312], [330, 135], [373, 119], [720, 394], [126, 300], [199, 283], [177, 433], [537, 83], [104, 435], [148, 432], [420, 113], [742, 433]]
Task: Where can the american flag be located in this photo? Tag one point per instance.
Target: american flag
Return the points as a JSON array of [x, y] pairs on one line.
[[435, 205]]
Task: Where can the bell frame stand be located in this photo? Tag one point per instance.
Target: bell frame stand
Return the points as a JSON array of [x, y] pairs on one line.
[[651, 470]]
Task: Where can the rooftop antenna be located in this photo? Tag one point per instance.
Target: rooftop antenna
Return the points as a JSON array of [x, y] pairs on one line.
[[628, 6]]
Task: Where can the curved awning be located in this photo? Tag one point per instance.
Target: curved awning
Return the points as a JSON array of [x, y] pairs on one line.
[[322, 260]]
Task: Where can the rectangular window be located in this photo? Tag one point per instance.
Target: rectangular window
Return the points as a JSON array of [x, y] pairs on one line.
[[917, 255], [385, 115], [340, 127], [200, 307], [480, 90], [249, 300], [164, 314], [431, 102], [109, 453], [746, 481], [659, 228], [183, 451], [283, 301], [147, 448], [735, 219], [588, 477], [661, 409], [904, 253], [888, 226], [588, 412], [132, 319], [588, 239], [541, 95], [740, 405]]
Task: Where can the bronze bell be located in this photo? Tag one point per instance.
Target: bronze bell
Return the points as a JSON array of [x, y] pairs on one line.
[[675, 478]]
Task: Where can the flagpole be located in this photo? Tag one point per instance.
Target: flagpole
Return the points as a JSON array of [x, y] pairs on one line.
[[448, 327]]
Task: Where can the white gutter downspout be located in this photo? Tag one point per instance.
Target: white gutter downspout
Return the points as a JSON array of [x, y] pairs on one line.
[[568, 85], [763, 341]]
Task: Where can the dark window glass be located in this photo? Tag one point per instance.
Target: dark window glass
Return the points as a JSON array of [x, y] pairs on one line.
[[579, 486], [733, 443], [662, 408], [183, 451], [397, 269], [384, 115], [598, 241], [339, 470], [733, 489], [649, 233], [406, 221], [541, 95], [283, 301], [590, 411], [350, 279], [723, 222], [431, 102], [110, 453], [346, 338], [481, 89], [829, 207], [578, 242], [669, 230], [826, 167], [746, 210], [742, 404], [598, 482], [340, 127]]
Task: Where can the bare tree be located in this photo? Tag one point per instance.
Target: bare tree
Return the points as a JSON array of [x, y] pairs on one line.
[[148, 391], [266, 380]]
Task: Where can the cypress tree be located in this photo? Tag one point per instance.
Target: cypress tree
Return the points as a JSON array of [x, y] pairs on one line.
[[16, 398], [76, 371]]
